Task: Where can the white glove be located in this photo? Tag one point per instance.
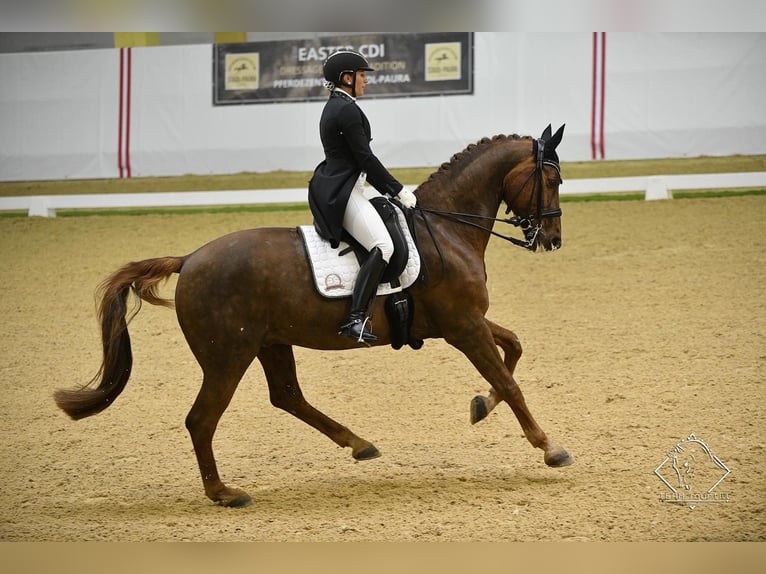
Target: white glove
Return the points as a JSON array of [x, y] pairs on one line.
[[406, 198]]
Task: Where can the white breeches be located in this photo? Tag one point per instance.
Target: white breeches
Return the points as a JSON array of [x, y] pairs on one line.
[[364, 224]]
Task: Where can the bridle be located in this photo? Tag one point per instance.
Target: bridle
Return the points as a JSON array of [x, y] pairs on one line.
[[530, 224]]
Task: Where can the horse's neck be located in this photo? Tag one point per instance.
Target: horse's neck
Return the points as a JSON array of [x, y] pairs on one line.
[[472, 188], [462, 196]]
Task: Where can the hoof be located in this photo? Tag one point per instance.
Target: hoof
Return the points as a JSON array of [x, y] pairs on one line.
[[367, 453], [559, 458], [478, 409], [239, 501]]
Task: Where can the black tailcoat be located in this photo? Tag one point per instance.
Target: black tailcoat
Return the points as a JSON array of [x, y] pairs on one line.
[[345, 134]]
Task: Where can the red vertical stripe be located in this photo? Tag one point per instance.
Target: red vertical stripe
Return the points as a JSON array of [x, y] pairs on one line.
[[593, 99], [598, 95], [123, 119], [603, 91], [127, 121], [119, 119]]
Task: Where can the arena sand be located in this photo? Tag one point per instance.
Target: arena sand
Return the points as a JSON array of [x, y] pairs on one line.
[[646, 327]]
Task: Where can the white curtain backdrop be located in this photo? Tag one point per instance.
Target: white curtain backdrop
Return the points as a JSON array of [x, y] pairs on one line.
[[666, 95]]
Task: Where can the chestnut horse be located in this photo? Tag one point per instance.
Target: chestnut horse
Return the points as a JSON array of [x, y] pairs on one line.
[[249, 294]]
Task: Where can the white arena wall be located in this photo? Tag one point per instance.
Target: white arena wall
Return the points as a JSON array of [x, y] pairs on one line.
[[666, 95]]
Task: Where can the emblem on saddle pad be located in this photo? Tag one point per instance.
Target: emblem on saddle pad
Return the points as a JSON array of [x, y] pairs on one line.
[[333, 281]]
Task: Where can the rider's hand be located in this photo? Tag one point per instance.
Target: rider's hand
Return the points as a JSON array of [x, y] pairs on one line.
[[406, 198]]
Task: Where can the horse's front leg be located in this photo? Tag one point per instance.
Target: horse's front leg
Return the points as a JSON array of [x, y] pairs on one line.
[[508, 341], [481, 350]]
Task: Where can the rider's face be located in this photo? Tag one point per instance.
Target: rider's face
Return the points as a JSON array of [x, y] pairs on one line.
[[361, 82]]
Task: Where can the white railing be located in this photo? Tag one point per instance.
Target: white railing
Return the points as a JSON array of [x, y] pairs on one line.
[[662, 186], [46, 205], [653, 187]]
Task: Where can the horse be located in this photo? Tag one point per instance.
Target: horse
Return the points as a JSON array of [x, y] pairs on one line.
[[249, 294]]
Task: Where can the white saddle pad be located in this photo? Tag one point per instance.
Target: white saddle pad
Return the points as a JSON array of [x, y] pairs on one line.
[[334, 275]]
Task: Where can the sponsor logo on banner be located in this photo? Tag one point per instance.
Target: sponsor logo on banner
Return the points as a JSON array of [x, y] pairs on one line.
[[443, 61], [242, 71]]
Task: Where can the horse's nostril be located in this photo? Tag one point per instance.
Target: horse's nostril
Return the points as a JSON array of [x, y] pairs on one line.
[[556, 243]]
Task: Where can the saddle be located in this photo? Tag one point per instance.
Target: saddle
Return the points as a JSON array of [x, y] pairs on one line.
[[335, 270]]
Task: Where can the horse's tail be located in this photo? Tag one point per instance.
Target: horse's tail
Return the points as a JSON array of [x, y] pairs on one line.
[[143, 278]]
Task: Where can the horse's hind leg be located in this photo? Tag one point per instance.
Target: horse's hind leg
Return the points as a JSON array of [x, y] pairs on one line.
[[285, 393], [508, 341], [201, 422]]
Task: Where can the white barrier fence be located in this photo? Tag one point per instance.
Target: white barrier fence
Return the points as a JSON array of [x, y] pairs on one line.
[[46, 205], [662, 186], [653, 187]]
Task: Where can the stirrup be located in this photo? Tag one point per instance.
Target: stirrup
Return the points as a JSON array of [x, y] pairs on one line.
[[358, 329]]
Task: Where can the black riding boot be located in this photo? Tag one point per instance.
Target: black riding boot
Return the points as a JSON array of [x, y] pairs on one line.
[[366, 285]]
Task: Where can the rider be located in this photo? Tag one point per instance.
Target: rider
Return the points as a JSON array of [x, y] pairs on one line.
[[336, 190]]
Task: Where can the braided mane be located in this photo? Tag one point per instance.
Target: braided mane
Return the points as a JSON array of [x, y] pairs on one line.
[[460, 158]]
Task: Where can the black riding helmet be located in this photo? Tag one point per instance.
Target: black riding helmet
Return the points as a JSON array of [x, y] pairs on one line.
[[342, 62]]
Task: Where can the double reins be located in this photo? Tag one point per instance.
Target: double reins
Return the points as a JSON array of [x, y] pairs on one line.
[[530, 224]]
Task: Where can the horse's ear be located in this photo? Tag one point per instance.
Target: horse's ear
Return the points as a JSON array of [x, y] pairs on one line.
[[556, 138], [546, 133]]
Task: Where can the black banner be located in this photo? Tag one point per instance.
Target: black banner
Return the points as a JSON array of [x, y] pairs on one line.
[[435, 64]]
